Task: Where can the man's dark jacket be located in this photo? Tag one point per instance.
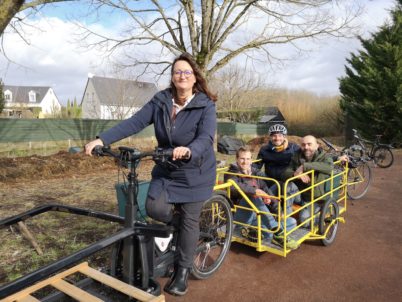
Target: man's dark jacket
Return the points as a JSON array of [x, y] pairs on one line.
[[275, 162]]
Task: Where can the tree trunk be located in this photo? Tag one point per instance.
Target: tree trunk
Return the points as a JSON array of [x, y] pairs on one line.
[[8, 9]]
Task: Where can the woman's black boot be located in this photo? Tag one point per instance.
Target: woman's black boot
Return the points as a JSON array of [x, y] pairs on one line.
[[178, 284]]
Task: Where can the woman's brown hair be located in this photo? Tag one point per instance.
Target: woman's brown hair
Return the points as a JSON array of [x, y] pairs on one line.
[[200, 82]]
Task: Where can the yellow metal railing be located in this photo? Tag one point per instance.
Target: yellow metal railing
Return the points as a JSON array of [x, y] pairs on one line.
[[339, 190]]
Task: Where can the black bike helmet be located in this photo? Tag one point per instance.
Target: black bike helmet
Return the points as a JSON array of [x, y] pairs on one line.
[[277, 128]]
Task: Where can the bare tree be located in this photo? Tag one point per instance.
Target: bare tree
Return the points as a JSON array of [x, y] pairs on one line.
[[235, 86], [216, 32], [10, 8]]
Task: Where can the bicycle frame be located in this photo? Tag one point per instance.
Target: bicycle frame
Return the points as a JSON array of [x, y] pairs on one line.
[[134, 234], [139, 261], [47, 271], [362, 143]]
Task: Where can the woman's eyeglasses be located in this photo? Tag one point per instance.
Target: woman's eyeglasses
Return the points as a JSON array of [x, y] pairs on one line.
[[186, 73]]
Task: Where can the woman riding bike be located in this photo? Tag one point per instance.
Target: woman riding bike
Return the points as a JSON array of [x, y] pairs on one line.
[[184, 119]]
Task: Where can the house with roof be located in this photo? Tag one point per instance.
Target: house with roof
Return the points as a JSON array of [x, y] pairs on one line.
[[30, 101], [271, 116], [111, 98]]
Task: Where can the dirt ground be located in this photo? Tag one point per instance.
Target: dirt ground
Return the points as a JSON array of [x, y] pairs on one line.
[[364, 263]]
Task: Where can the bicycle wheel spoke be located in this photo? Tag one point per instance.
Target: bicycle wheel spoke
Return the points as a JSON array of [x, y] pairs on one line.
[[215, 237], [202, 257], [359, 179]]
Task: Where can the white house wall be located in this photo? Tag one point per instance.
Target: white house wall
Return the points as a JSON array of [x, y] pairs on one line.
[[90, 102], [50, 104], [21, 105], [107, 112]]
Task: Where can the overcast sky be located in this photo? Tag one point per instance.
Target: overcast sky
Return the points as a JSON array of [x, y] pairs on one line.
[[53, 58]]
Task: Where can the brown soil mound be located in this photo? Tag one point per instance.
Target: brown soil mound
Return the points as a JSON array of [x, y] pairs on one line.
[[62, 164], [65, 164]]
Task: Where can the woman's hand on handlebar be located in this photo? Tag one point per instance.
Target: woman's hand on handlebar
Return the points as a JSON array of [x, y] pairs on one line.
[[91, 145], [181, 153]]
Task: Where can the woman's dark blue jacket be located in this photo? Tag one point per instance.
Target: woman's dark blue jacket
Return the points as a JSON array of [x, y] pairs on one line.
[[275, 163], [194, 127]]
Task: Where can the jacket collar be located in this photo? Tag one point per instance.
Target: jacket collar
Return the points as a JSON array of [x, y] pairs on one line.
[[200, 99]]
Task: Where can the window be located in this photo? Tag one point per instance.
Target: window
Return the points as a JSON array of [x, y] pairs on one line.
[[32, 96], [8, 96]]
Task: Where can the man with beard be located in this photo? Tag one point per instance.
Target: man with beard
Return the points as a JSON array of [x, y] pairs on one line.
[[308, 158]]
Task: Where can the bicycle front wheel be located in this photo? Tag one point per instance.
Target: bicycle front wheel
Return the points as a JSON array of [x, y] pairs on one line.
[[359, 180], [383, 157], [216, 224]]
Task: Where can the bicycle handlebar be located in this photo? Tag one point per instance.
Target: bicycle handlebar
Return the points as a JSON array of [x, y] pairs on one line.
[[356, 135], [331, 146], [361, 139], [351, 157], [128, 155], [135, 153]]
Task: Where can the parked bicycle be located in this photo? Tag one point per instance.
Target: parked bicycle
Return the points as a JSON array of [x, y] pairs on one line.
[[359, 175], [375, 151]]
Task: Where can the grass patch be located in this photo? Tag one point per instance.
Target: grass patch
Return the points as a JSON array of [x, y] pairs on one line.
[[58, 235]]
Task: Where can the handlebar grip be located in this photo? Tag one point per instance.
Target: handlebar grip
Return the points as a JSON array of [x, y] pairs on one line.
[[97, 150], [168, 153], [187, 155], [101, 150]]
